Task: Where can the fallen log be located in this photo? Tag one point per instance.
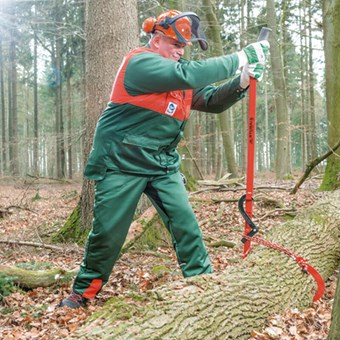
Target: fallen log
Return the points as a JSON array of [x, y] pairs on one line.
[[30, 279], [231, 304]]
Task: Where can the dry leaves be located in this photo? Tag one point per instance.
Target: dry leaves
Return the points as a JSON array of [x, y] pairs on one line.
[[44, 207]]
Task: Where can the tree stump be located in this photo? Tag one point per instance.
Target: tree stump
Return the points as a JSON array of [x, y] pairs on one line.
[[231, 304]]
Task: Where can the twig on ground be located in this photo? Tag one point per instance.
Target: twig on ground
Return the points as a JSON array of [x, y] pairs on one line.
[[37, 245]]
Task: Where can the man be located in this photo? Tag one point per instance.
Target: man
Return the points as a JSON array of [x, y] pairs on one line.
[[134, 147]]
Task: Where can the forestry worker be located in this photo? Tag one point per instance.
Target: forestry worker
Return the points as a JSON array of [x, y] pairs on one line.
[[134, 147]]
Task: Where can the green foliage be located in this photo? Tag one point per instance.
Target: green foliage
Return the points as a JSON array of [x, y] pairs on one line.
[[33, 265], [6, 310], [7, 285], [37, 197]]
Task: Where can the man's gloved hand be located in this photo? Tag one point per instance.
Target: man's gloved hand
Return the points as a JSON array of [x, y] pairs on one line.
[[254, 53], [251, 70]]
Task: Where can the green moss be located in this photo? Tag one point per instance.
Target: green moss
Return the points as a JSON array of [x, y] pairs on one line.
[[288, 217], [154, 235], [161, 270], [124, 308], [33, 265], [72, 230], [191, 183], [331, 180], [317, 216]]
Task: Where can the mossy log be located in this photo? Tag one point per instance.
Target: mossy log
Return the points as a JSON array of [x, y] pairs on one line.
[[231, 304], [30, 279]]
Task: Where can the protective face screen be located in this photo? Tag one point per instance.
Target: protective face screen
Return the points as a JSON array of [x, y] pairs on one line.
[[187, 28]]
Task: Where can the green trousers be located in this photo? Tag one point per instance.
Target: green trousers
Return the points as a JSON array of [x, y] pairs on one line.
[[116, 199]]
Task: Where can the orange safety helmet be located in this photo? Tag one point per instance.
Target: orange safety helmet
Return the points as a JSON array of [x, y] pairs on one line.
[[182, 27]]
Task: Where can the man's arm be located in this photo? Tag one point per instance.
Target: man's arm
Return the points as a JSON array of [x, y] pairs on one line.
[[216, 99], [150, 73]]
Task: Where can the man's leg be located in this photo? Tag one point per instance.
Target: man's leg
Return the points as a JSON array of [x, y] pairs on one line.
[[116, 199], [169, 196]]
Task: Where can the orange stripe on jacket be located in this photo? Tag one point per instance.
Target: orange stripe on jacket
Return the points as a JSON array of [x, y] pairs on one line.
[[175, 104]]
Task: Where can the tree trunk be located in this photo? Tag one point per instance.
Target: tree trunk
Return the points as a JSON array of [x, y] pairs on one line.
[[331, 14], [313, 138], [114, 41], [228, 142], [231, 304], [12, 97], [282, 161], [36, 169], [334, 332], [59, 42], [3, 168]]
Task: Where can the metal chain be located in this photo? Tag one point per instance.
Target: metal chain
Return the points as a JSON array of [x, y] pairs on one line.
[[299, 259]]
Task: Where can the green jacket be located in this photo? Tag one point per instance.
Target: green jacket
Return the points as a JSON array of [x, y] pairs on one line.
[[149, 106]]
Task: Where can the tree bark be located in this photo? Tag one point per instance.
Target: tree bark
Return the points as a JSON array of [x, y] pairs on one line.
[[226, 130], [282, 124], [334, 332], [331, 27], [115, 40], [231, 304], [3, 167], [13, 98]]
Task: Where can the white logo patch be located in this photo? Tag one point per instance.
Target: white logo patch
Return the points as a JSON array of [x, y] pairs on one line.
[[171, 109]]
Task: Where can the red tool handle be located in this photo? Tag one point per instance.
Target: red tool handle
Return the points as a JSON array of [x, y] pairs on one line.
[[250, 160], [264, 34]]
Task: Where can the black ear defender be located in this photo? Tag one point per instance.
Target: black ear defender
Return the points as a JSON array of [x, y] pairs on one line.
[[164, 23]]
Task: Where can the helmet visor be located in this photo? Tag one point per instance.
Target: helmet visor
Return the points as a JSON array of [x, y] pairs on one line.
[[188, 29]]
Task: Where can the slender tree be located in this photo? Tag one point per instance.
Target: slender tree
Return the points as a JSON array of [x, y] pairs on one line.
[[312, 142], [228, 144], [282, 124], [35, 108], [331, 13], [3, 114], [12, 98]]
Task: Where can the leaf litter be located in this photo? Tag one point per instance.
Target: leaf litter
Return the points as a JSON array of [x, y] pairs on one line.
[[35, 210]]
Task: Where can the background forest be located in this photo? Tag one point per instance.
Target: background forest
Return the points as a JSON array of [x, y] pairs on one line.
[[42, 90], [58, 59]]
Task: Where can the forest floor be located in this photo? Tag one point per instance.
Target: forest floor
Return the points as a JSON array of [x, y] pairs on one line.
[[36, 209]]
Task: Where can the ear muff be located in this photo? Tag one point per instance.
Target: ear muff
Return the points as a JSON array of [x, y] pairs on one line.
[[164, 23], [149, 25]]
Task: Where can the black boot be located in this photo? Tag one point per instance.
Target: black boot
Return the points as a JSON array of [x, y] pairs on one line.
[[73, 301]]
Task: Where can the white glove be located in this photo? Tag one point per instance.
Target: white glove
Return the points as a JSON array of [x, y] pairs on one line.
[[251, 70], [254, 53]]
